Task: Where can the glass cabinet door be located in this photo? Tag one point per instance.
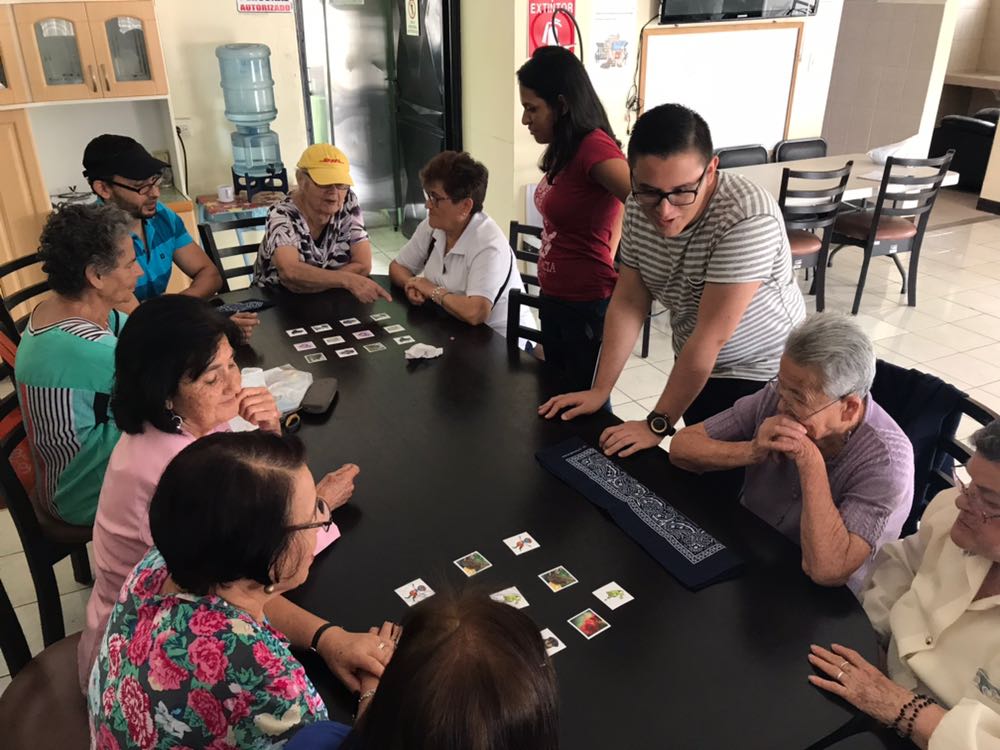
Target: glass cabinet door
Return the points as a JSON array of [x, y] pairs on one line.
[[129, 53], [60, 53]]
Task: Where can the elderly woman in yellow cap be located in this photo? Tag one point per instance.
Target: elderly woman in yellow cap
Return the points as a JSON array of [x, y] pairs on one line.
[[315, 239]]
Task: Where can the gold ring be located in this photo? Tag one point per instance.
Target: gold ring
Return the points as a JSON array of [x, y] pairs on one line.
[[842, 666], [381, 645], [840, 674]]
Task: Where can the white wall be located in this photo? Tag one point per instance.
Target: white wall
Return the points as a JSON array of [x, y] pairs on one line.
[[63, 131], [190, 30]]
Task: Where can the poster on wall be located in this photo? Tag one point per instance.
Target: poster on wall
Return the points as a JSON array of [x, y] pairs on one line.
[[264, 6], [545, 30], [610, 58], [412, 18]]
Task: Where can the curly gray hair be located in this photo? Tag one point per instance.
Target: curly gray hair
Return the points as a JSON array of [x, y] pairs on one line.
[[836, 346], [986, 441]]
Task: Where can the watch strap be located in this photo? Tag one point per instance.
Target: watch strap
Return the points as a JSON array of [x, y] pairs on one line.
[[314, 645]]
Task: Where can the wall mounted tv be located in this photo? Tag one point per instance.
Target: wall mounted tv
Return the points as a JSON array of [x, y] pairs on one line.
[[695, 11]]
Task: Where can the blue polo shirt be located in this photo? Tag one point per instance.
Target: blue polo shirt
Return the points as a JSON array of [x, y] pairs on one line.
[[165, 233]]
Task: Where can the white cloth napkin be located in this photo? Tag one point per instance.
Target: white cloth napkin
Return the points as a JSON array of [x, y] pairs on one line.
[[423, 351], [903, 149]]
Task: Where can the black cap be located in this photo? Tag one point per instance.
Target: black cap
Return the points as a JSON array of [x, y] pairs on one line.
[[108, 155]]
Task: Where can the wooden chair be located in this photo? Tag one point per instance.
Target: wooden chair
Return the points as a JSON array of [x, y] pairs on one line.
[[515, 331], [526, 250], [42, 708], [12, 301], [808, 211], [741, 156], [207, 232], [45, 539], [799, 148], [897, 222]]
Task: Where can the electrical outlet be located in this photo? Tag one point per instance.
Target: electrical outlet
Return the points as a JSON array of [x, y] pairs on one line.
[[183, 125]]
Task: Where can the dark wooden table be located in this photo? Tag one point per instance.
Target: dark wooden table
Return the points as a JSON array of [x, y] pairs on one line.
[[447, 455]]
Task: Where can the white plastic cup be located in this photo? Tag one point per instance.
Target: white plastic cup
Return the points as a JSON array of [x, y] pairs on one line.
[[226, 193]]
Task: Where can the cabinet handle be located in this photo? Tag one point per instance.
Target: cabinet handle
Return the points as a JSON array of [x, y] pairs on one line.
[[104, 74], [93, 77]]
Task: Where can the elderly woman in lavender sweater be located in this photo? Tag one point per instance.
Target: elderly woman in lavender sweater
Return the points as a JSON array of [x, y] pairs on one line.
[[826, 465]]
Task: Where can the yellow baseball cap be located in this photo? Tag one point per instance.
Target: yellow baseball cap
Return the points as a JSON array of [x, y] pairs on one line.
[[326, 165]]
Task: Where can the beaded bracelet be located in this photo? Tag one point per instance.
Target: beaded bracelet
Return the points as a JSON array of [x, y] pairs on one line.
[[902, 712], [913, 707]]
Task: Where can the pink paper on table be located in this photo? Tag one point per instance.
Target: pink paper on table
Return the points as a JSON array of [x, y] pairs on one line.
[[325, 538]]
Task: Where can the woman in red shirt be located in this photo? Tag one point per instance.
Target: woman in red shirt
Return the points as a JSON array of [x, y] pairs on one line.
[[580, 198]]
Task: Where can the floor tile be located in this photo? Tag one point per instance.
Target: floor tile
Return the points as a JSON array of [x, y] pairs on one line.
[[989, 399], [630, 410], [895, 357], [966, 368], [617, 397], [10, 542], [910, 318], [641, 381], [985, 325], [959, 339], [876, 328], [17, 578], [916, 347]]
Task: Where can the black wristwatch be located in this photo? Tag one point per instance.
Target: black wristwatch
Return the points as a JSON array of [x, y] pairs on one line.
[[660, 424]]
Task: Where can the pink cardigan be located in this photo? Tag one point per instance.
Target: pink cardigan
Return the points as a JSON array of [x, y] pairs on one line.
[[121, 528]]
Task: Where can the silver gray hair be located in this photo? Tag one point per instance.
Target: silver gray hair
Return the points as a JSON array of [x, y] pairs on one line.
[[986, 441], [836, 346]]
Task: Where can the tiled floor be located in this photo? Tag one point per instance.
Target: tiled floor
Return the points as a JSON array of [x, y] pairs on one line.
[[953, 332]]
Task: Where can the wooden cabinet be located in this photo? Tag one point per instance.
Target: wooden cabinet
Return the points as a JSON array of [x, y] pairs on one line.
[[13, 82], [22, 195], [90, 50], [127, 45]]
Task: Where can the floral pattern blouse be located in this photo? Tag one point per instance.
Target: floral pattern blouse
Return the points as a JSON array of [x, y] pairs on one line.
[[189, 672]]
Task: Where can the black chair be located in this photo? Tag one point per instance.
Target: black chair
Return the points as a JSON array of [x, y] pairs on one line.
[[800, 148], [741, 156], [22, 295], [808, 211], [42, 708], [971, 138], [897, 222], [515, 331], [527, 250], [207, 232], [45, 539]]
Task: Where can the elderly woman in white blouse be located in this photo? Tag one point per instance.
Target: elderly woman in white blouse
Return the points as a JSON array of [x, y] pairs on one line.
[[934, 600], [458, 258]]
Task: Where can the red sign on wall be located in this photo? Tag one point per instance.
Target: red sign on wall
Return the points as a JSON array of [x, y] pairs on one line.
[[264, 6], [544, 31]]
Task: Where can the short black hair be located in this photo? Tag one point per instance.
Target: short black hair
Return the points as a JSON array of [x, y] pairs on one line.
[[222, 507], [164, 340], [469, 674], [460, 175], [554, 72], [77, 236], [668, 130]]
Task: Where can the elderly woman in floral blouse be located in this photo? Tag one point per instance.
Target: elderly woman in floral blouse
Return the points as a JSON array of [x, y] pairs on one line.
[[189, 657]]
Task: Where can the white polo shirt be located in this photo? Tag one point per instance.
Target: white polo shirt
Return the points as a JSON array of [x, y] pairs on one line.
[[481, 264]]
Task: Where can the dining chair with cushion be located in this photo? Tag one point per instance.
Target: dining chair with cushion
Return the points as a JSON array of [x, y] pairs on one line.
[[220, 254], [800, 148], [741, 156]]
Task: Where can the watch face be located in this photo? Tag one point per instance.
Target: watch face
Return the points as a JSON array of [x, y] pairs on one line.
[[658, 425]]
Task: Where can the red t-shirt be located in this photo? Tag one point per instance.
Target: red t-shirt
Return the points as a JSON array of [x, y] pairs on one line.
[[575, 261]]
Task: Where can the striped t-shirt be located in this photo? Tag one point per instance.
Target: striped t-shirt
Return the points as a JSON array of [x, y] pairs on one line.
[[64, 375], [740, 238]]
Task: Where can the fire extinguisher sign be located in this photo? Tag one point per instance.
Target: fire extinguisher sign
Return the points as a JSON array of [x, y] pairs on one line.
[[544, 31]]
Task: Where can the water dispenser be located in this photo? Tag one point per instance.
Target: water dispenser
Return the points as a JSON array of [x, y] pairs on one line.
[[248, 91]]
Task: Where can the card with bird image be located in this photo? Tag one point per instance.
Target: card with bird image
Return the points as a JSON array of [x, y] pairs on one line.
[[552, 643], [304, 346], [315, 357], [296, 332], [333, 340], [347, 322], [365, 334], [379, 316], [558, 578], [415, 591], [349, 352], [588, 623], [521, 543], [473, 563], [376, 347], [510, 596], [613, 595], [394, 329], [403, 340], [321, 327]]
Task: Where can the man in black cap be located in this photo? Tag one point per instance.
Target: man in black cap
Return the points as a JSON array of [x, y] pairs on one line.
[[122, 172]]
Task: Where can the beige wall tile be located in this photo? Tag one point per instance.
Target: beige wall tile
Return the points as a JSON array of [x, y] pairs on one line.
[[989, 55]]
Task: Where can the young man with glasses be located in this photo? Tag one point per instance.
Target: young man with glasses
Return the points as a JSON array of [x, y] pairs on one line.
[[934, 601], [315, 239], [120, 171], [825, 465], [709, 246]]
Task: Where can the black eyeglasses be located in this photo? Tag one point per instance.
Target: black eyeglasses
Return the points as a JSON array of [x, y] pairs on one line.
[[144, 189], [651, 197], [775, 385], [435, 200], [322, 509]]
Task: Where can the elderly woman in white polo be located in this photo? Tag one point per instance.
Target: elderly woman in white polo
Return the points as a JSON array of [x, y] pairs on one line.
[[934, 600]]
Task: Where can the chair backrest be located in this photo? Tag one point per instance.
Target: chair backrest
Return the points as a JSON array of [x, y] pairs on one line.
[[911, 195], [524, 251], [813, 207], [515, 331], [741, 156], [8, 311], [941, 478], [800, 148], [208, 230], [13, 644]]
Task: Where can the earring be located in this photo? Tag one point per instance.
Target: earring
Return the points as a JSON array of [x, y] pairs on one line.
[[176, 419], [269, 589]]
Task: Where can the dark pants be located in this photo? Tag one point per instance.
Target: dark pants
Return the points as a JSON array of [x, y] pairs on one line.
[[718, 395], [571, 337]]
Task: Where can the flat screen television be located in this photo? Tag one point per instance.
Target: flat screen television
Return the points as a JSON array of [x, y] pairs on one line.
[[695, 11]]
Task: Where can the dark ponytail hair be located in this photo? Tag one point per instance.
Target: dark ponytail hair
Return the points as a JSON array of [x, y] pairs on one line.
[[554, 73]]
